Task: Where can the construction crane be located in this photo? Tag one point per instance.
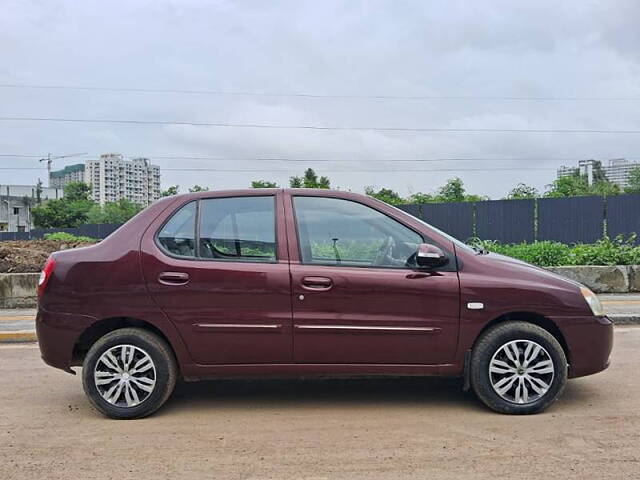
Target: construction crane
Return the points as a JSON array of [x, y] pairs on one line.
[[49, 159]]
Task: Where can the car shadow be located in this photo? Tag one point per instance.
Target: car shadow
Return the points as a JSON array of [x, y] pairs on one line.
[[319, 392], [422, 392]]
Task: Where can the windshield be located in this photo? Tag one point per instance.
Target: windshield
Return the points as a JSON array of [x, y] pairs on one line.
[[455, 241]]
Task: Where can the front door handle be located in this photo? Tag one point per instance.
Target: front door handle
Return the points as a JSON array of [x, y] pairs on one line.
[[317, 283], [173, 278]]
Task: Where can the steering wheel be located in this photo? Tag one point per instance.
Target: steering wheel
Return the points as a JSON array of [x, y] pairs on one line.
[[384, 252]]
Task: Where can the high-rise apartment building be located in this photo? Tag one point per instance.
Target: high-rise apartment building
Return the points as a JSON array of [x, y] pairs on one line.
[[70, 173], [112, 177], [617, 170]]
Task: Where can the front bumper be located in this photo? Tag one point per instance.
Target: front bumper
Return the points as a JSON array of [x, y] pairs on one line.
[[589, 341], [57, 336]]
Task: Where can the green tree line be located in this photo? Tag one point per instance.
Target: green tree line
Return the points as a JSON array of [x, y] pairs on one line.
[[77, 207], [454, 190]]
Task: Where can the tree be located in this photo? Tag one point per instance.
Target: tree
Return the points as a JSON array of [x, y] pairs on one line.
[[633, 182], [324, 183], [77, 191], [68, 211], [605, 188], [452, 191], [522, 191], [385, 195], [569, 186], [39, 192], [295, 182], [577, 185], [113, 212], [172, 190], [263, 184], [598, 172], [198, 188], [420, 197], [309, 180]]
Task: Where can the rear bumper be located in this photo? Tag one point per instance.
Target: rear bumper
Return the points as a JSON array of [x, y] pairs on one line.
[[589, 341], [57, 335]]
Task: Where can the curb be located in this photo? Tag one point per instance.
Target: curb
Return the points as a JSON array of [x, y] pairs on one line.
[[624, 319], [18, 336]]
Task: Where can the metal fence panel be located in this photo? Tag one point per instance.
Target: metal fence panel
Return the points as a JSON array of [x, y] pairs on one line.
[[411, 209], [99, 231], [507, 221], [571, 220], [623, 215], [456, 219], [14, 236]]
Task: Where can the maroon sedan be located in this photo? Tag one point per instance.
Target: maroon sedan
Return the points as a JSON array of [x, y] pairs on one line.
[[282, 283]]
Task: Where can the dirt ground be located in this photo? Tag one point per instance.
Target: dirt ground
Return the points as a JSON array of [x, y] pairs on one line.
[[24, 256], [319, 429]]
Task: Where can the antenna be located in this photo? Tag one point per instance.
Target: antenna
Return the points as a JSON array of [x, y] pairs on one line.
[[49, 159]]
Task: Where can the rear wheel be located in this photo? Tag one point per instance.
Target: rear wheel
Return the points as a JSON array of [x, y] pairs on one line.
[[518, 368], [129, 373]]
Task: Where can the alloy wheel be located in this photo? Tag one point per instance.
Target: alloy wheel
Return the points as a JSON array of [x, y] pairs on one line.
[[125, 375], [521, 371]]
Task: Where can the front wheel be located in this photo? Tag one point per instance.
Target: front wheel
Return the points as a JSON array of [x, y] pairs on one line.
[[518, 368], [129, 373]]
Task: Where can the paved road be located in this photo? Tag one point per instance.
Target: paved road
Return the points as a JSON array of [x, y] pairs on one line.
[[329, 429]]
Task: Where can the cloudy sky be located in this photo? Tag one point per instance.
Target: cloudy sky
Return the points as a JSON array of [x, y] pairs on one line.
[[541, 65]]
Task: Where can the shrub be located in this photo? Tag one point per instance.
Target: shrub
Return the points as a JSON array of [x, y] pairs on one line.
[[68, 238], [550, 254]]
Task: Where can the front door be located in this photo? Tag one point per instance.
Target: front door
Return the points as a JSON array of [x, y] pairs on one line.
[[219, 271], [355, 301]]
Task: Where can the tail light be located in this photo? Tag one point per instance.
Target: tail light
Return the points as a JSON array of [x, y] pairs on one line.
[[45, 275]]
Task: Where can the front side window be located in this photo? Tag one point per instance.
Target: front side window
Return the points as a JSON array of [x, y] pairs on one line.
[[334, 231], [177, 237], [238, 228]]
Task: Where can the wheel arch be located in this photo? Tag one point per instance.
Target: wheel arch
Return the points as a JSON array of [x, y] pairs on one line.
[[100, 328], [533, 318]]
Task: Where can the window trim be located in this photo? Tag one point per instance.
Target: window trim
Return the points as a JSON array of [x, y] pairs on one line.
[[197, 256], [156, 235], [450, 266]]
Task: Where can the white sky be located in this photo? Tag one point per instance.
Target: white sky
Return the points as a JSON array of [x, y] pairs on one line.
[[393, 48]]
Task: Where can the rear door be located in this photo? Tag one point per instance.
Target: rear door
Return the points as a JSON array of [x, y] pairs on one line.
[[354, 298], [219, 270]]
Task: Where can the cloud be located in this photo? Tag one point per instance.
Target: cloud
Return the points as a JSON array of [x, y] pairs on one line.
[[439, 48]]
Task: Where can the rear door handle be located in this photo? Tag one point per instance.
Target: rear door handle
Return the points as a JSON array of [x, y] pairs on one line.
[[173, 278], [317, 283]]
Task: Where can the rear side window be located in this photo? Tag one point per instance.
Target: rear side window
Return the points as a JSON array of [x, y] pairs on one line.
[[178, 236], [238, 228]]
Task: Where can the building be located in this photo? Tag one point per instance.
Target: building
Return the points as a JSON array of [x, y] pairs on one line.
[[617, 170], [112, 177], [70, 173], [16, 202]]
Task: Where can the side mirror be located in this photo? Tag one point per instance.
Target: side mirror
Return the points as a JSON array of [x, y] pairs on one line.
[[430, 256]]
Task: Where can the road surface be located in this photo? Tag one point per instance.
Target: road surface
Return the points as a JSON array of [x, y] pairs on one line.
[[319, 429]]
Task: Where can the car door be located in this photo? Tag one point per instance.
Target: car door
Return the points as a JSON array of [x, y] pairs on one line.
[[355, 301], [218, 268]]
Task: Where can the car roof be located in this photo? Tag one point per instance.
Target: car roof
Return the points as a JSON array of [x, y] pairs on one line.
[[320, 192]]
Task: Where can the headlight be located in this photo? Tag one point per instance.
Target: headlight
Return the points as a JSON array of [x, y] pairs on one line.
[[593, 301]]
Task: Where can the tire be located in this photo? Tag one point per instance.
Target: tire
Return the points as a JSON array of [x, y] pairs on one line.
[[495, 350], [129, 373]]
